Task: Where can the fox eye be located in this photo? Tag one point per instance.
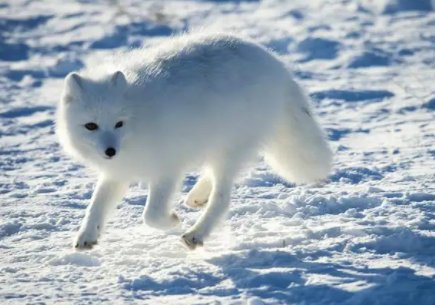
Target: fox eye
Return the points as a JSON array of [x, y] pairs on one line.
[[119, 124], [91, 126]]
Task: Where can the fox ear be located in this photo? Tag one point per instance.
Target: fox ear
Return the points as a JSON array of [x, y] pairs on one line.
[[74, 81], [118, 80], [73, 86]]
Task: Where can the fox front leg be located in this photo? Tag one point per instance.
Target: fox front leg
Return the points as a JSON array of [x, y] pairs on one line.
[[106, 195]]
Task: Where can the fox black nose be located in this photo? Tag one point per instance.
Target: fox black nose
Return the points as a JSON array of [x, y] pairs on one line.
[[110, 151]]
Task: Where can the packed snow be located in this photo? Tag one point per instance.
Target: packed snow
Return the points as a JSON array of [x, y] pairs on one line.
[[364, 237]]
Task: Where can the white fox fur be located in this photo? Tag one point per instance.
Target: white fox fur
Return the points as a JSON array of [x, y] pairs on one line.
[[209, 100]]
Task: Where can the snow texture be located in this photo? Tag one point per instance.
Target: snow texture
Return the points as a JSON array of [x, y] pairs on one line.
[[365, 237]]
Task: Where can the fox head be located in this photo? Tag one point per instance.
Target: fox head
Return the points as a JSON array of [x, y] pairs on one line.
[[93, 120]]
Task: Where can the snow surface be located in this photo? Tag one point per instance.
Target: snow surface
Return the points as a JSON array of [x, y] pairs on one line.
[[366, 237]]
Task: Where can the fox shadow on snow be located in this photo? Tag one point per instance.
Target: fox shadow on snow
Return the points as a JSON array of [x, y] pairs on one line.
[[283, 276]]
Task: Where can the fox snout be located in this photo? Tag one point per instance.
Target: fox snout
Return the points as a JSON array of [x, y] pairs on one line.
[[108, 145], [110, 152]]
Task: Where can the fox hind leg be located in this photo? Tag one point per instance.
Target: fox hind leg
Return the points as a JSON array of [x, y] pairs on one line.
[[198, 196], [221, 182]]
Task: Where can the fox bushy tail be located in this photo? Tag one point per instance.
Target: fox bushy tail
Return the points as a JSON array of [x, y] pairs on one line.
[[299, 151]]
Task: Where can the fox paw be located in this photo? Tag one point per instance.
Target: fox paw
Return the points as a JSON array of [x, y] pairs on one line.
[[197, 198], [192, 240], [195, 203], [87, 237]]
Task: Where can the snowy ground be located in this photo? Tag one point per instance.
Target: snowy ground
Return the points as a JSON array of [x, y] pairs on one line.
[[365, 237]]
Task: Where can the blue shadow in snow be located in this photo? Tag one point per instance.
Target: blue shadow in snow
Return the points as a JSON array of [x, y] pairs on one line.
[[318, 48], [22, 25], [121, 33], [430, 104], [23, 111], [352, 95], [399, 286], [335, 134], [370, 59], [355, 175], [283, 277], [13, 51], [16, 51], [397, 6]]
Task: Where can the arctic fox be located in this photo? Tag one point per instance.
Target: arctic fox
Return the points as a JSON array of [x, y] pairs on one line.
[[207, 100]]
